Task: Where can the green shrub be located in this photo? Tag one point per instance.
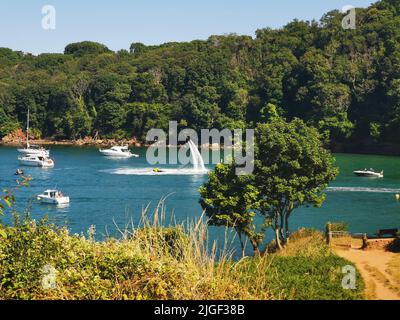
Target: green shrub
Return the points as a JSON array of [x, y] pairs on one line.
[[338, 226]]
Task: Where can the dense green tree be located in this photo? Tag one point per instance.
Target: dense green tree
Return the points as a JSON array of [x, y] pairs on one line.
[[86, 47], [7, 124], [292, 169], [229, 200], [343, 82]]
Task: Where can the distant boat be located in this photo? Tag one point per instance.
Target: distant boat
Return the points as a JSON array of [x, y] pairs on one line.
[[118, 152], [53, 197], [368, 173], [32, 149], [32, 160]]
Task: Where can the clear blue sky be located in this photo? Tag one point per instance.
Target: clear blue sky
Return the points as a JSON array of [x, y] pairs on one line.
[[118, 23]]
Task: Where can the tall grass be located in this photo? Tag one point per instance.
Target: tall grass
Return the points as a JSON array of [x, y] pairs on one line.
[[151, 261]]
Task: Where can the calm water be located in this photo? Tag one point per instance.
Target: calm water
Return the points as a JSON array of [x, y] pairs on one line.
[[103, 198]]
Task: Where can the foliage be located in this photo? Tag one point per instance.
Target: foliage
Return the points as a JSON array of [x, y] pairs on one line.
[[228, 200], [155, 262], [338, 226], [291, 169], [306, 269], [344, 82]]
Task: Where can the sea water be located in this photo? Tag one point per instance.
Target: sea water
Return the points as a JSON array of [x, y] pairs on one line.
[[108, 192]]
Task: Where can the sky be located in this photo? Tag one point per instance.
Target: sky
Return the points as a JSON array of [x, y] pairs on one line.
[[118, 23]]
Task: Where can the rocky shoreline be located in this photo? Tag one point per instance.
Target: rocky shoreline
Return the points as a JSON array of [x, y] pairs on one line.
[[18, 138], [81, 142]]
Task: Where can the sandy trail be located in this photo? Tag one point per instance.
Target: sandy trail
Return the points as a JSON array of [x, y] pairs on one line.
[[372, 265]]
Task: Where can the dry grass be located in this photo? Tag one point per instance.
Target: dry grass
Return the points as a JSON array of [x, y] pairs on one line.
[[394, 269], [151, 261]]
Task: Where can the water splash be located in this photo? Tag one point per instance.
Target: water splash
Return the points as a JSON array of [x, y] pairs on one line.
[[197, 160]]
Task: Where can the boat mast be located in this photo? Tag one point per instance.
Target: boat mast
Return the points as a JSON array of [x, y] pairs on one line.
[[27, 130]]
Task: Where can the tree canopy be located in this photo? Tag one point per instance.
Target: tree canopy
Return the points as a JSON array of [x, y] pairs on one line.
[[291, 169], [346, 83]]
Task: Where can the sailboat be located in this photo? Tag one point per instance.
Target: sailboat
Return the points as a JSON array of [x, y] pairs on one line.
[[32, 149]]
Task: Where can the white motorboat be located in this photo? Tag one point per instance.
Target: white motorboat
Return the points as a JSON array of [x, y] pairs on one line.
[[33, 160], [53, 197], [118, 152], [32, 149], [368, 173]]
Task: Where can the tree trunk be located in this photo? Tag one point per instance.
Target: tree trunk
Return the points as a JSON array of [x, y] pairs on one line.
[[255, 247], [281, 229], [278, 239], [241, 242], [287, 228]]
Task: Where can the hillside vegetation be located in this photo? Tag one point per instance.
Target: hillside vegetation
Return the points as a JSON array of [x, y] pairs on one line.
[[344, 82], [154, 262]]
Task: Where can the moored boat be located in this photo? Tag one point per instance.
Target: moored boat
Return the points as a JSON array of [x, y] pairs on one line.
[[32, 149], [32, 160], [371, 173], [53, 197], [36, 150]]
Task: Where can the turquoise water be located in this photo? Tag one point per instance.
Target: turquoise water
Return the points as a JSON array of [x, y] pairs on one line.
[[103, 198]]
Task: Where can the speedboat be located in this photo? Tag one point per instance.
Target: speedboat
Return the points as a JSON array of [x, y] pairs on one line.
[[33, 160], [368, 173], [118, 151], [53, 197], [34, 150]]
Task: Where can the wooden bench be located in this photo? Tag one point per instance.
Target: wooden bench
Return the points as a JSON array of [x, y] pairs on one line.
[[387, 232]]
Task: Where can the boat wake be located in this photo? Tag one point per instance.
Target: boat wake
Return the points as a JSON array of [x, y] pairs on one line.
[[160, 172], [361, 189], [197, 169]]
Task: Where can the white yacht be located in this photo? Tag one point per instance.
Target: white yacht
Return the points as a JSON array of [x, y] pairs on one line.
[[118, 151], [32, 149], [53, 197], [368, 173], [34, 160]]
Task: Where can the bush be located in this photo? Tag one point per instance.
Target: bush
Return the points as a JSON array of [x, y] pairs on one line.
[[338, 226], [157, 262]]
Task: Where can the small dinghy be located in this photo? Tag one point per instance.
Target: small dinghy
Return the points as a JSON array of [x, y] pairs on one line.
[[118, 152], [368, 173], [53, 197]]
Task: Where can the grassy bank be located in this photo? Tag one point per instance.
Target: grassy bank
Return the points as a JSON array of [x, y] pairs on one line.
[[154, 262]]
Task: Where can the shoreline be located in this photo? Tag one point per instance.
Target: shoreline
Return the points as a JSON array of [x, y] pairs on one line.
[[75, 143], [91, 143], [215, 146]]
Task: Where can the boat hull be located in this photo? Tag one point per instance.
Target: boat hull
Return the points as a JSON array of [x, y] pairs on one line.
[[368, 174], [36, 163], [114, 154], [47, 200]]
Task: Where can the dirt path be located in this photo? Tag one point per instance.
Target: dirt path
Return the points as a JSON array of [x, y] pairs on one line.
[[373, 265]]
